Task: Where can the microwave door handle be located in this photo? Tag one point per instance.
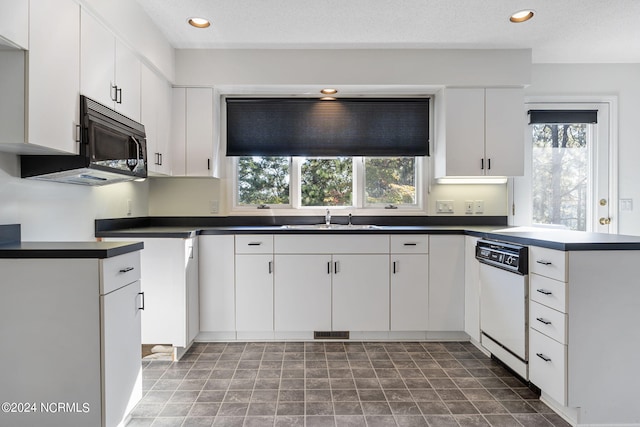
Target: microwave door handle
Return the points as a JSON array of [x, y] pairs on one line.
[[137, 152]]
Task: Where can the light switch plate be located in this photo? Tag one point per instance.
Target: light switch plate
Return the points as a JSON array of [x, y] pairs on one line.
[[468, 206], [444, 206], [214, 206], [479, 206]]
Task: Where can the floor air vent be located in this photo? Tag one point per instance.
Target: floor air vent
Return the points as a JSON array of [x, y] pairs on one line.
[[331, 335]]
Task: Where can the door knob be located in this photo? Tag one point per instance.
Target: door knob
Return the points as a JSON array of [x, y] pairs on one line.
[[605, 221]]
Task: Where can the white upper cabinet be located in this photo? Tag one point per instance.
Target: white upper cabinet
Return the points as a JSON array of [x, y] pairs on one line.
[[14, 23], [110, 72], [52, 76], [480, 132], [192, 135], [155, 115]]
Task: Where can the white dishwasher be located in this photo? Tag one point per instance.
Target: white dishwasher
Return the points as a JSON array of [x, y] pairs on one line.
[[504, 302]]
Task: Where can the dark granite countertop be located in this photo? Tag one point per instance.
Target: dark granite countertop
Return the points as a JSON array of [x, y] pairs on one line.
[[563, 240], [96, 250]]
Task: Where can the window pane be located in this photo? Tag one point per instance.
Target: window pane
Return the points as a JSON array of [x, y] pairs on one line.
[[263, 180], [326, 182], [390, 180], [560, 174]]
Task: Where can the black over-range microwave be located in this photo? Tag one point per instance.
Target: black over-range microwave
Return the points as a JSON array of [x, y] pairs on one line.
[[113, 148]]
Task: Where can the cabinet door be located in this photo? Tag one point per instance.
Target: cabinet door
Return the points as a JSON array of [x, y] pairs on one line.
[[254, 293], [217, 291], [128, 81], [302, 293], [360, 296], [53, 76], [121, 369], [178, 131], [14, 22], [471, 289], [193, 296], [155, 115], [446, 283], [504, 131], [97, 57], [464, 118], [199, 131], [409, 292]]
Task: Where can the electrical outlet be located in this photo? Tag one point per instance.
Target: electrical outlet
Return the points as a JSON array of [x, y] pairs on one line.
[[444, 206], [214, 206], [468, 206], [479, 206]]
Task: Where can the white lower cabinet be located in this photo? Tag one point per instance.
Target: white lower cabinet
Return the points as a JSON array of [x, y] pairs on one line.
[[217, 286], [75, 338], [360, 298], [302, 293], [471, 289], [446, 283], [409, 284], [548, 365], [254, 293]]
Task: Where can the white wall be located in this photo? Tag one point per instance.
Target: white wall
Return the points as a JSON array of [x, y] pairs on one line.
[[622, 81], [62, 212], [186, 196]]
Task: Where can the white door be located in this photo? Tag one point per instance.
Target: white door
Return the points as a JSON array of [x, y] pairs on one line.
[[254, 293], [122, 372], [97, 60], [193, 296], [128, 71], [471, 289], [303, 292], [216, 276], [569, 172], [199, 128], [360, 293], [409, 292], [446, 283]]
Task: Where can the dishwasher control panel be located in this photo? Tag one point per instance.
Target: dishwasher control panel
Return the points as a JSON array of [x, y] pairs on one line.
[[503, 255]]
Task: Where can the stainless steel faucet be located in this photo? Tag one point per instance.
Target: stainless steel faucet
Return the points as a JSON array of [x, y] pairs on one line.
[[327, 218]]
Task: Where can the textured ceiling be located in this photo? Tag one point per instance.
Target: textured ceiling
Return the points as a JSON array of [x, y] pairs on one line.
[[561, 31]]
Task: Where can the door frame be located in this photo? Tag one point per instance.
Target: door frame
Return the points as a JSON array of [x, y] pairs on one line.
[[519, 188]]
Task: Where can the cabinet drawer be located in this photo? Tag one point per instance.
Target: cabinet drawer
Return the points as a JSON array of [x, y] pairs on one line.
[[548, 365], [410, 244], [119, 271], [254, 244], [550, 292], [550, 322], [548, 262], [332, 244]]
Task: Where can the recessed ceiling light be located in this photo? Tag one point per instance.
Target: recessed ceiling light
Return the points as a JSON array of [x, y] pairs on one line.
[[329, 91], [199, 22], [521, 16], [327, 98]]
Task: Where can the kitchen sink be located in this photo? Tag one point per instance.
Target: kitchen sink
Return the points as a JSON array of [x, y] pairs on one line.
[[330, 227]]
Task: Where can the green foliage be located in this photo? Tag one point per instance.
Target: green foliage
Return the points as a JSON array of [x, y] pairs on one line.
[[327, 182], [263, 180], [390, 180], [560, 175]]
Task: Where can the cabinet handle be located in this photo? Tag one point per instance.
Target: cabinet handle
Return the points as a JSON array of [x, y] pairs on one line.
[[482, 164], [191, 252], [544, 291], [541, 320], [255, 243], [126, 269], [411, 244], [78, 133], [208, 164], [543, 357], [328, 267], [270, 267], [118, 95], [160, 158], [544, 262], [488, 164], [336, 264], [141, 300], [395, 267]]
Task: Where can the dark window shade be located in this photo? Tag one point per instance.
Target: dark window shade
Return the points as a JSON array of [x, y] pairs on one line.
[[312, 127], [563, 116]]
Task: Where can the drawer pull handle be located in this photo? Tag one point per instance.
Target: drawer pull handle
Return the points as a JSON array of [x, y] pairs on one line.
[[543, 357], [336, 268], [411, 244], [328, 267], [141, 299], [270, 267], [541, 320], [544, 291], [395, 266], [126, 269], [255, 243], [543, 262]]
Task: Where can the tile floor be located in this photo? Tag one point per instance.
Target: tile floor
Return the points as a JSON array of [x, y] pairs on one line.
[[336, 384]]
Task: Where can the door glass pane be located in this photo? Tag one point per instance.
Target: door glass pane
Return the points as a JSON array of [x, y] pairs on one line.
[[561, 175], [263, 180], [326, 181], [390, 180]]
